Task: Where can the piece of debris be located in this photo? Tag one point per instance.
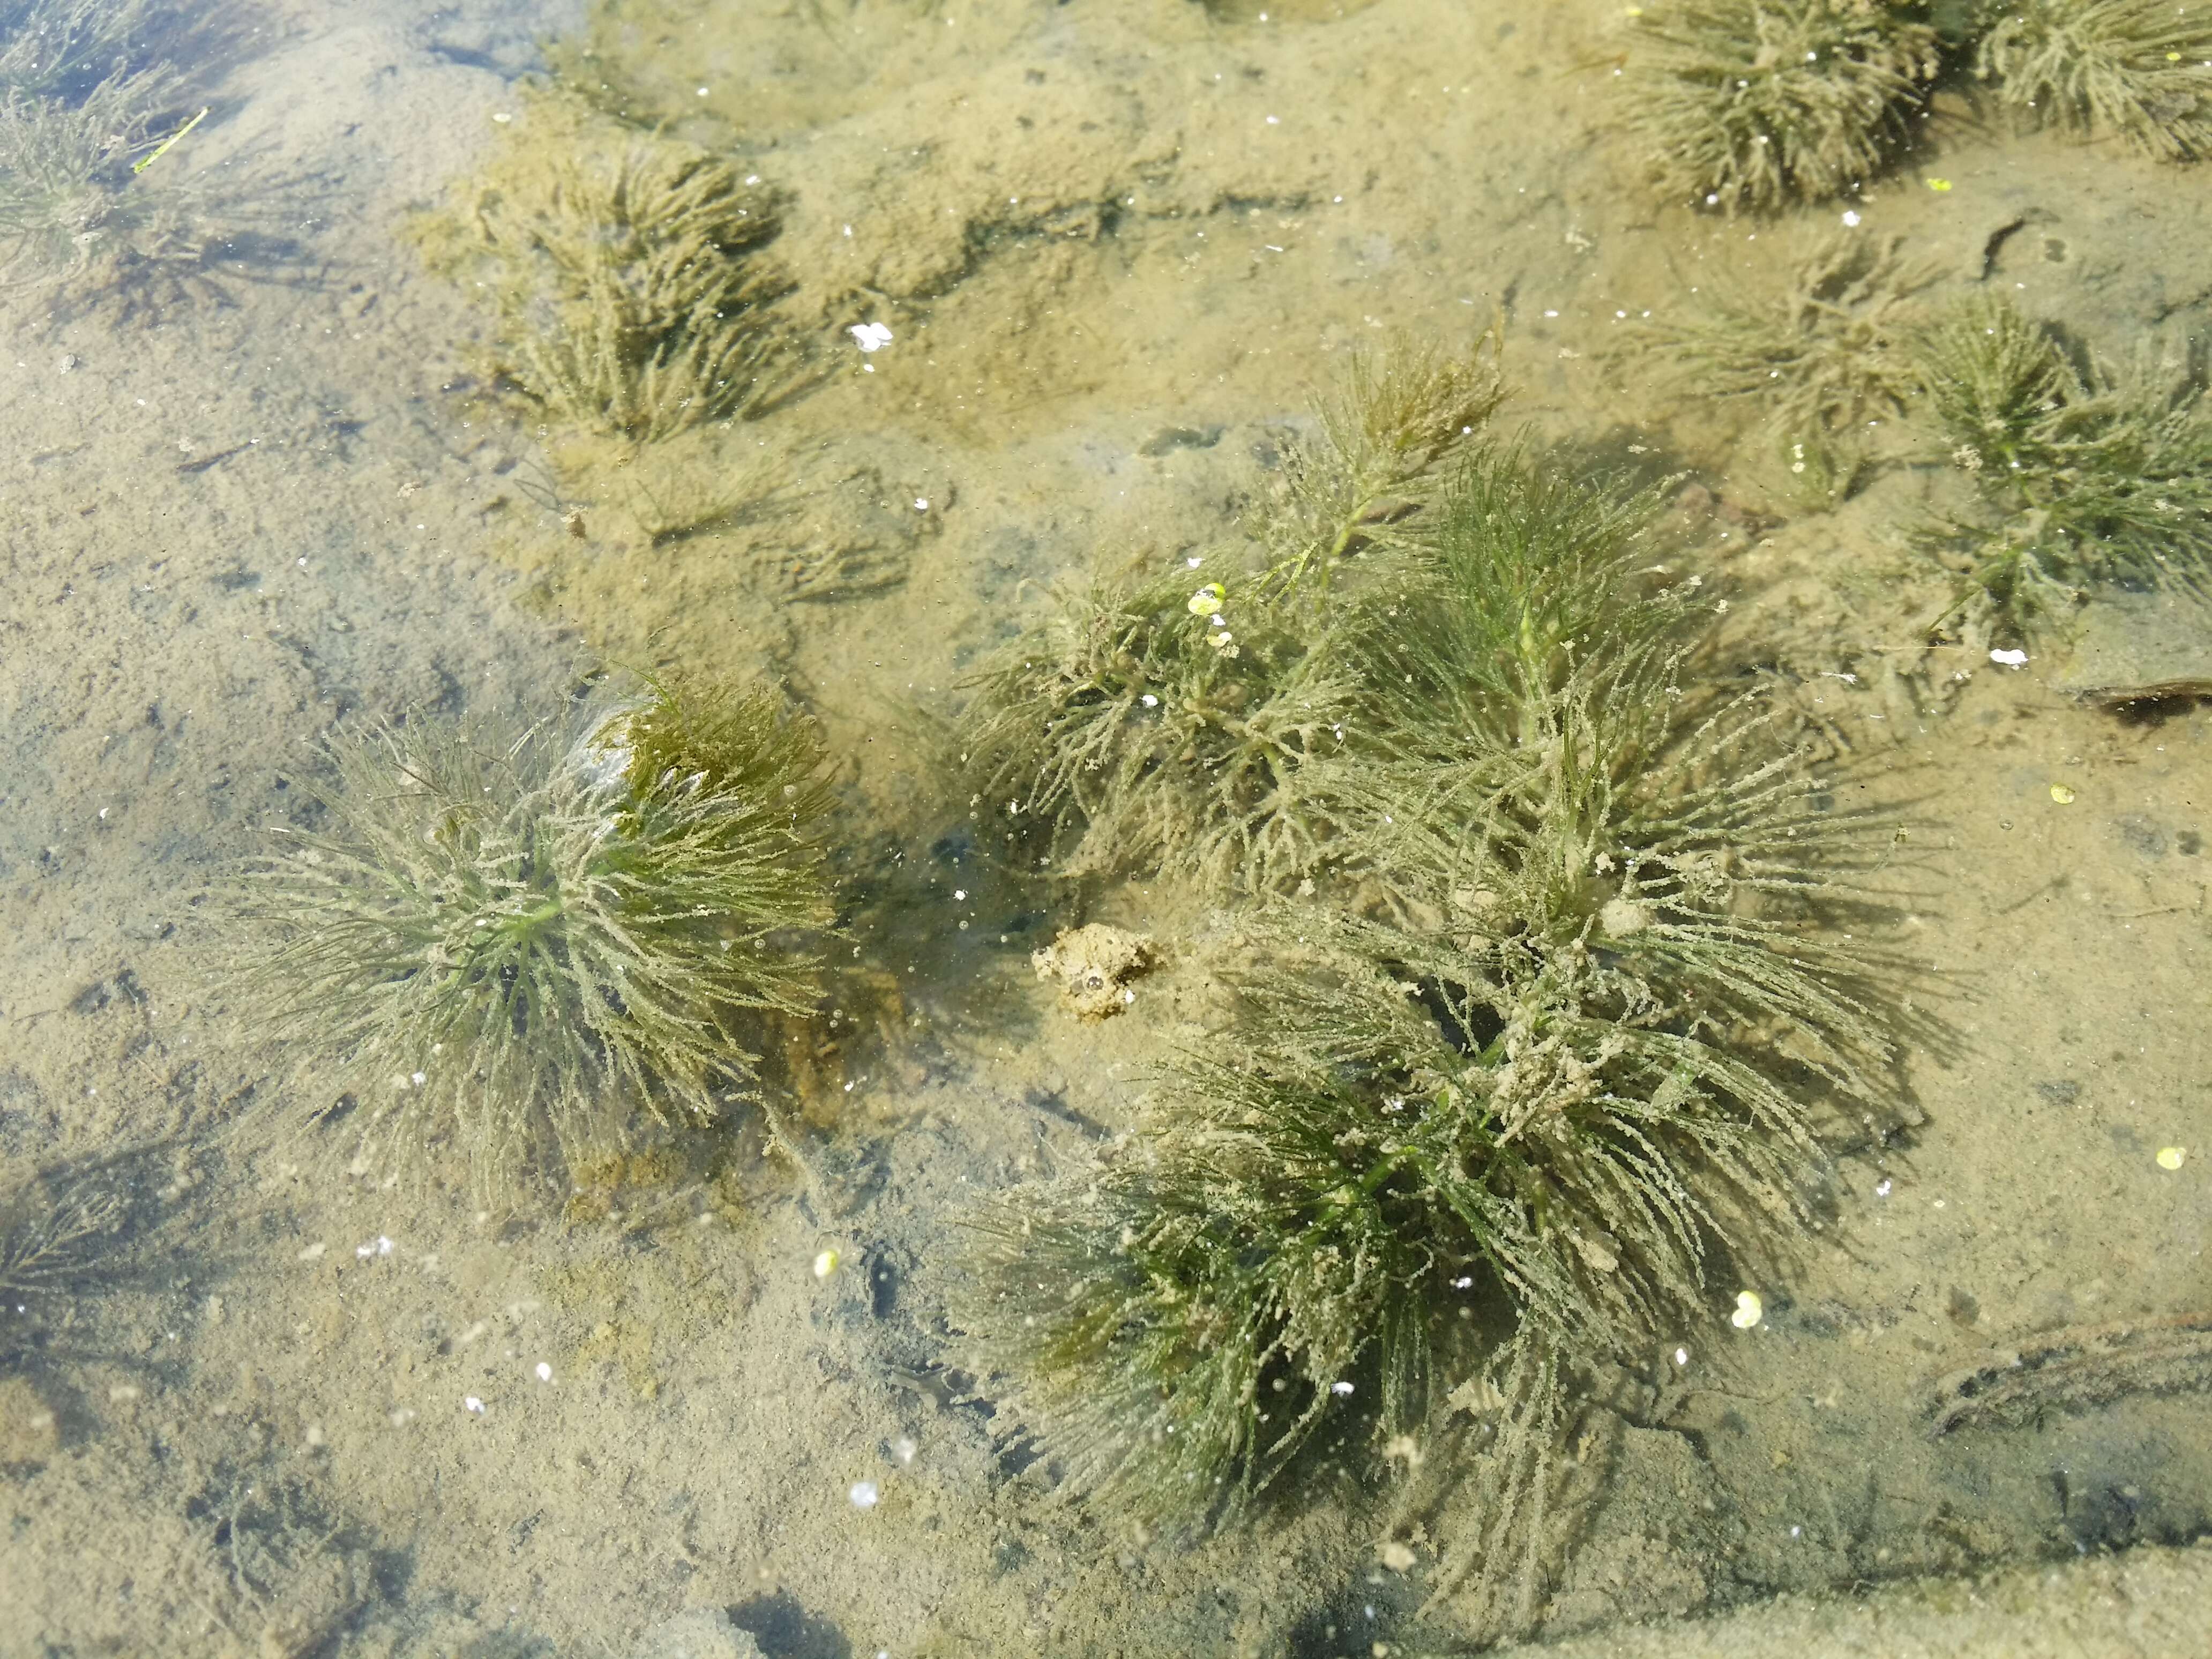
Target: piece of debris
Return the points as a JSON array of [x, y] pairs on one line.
[[2137, 654], [2083, 1366], [1093, 966]]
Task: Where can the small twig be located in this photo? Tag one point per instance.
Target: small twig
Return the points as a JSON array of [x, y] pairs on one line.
[[207, 461], [2055, 884]]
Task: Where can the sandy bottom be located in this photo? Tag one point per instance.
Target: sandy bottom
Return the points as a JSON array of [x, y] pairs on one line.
[[1117, 246]]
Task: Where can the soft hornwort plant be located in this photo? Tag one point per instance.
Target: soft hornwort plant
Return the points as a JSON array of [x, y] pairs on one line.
[[1752, 104], [2140, 68], [62, 49], [1817, 359], [52, 1221], [2084, 475], [628, 272], [66, 1227], [1560, 1031], [78, 202], [514, 945], [1166, 721]]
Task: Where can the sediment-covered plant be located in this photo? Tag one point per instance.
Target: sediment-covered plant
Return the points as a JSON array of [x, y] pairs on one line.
[[2083, 473], [1752, 104], [1817, 360], [632, 292], [515, 946], [1167, 720], [1555, 1029], [2139, 69]]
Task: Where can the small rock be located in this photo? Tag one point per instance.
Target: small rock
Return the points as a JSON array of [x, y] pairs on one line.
[[1093, 966], [1621, 917], [1168, 439], [29, 1431]]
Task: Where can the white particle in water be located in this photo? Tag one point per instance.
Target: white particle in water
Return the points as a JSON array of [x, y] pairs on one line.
[[863, 1494]]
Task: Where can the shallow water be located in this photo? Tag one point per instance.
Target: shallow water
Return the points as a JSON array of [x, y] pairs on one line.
[[297, 1406]]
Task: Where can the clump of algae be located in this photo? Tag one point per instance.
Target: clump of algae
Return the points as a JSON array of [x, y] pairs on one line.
[[509, 946], [1549, 1022], [631, 287]]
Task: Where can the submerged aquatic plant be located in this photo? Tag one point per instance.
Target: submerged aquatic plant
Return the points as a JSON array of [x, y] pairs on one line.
[[515, 944], [2141, 68], [63, 48], [2085, 474], [717, 736], [65, 1227], [1754, 103], [1389, 435], [1122, 732], [1818, 359], [1167, 722], [1560, 1031], [79, 201], [54, 1222], [633, 293]]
